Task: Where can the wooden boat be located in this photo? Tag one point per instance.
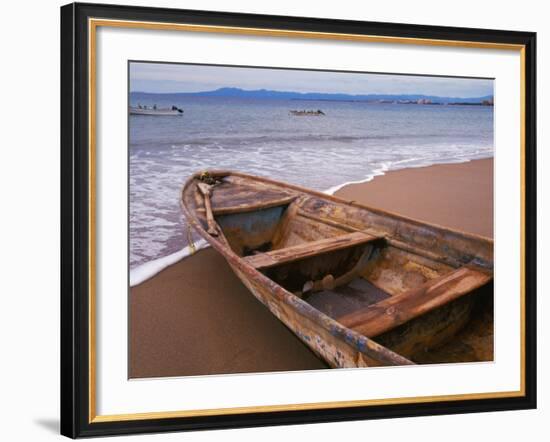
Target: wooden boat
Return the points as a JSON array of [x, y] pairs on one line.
[[359, 286], [154, 111]]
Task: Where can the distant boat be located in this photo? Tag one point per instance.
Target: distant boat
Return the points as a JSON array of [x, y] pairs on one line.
[[358, 285], [154, 111], [308, 113]]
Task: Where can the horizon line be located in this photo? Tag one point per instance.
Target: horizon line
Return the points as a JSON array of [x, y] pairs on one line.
[[306, 93]]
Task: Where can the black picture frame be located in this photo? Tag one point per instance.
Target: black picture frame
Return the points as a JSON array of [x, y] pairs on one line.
[[75, 219]]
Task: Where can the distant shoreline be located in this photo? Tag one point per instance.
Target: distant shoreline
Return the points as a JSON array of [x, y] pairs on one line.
[[393, 102], [322, 96]]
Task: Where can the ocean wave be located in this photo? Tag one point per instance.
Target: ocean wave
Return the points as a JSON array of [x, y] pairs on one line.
[[149, 269], [225, 141]]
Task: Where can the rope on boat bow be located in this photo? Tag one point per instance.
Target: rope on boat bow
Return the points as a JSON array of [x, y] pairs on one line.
[[192, 246], [207, 178]]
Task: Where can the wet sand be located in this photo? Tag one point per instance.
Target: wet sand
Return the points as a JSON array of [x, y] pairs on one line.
[[196, 317]]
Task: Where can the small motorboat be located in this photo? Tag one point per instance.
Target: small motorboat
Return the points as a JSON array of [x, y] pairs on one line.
[[154, 111], [307, 113], [358, 285]]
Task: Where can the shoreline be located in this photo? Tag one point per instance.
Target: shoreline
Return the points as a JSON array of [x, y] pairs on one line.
[[458, 196], [149, 269], [384, 170], [195, 317]]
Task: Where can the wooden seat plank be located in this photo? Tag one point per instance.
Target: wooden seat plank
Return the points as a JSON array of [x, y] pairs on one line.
[[398, 309], [308, 249], [230, 198]]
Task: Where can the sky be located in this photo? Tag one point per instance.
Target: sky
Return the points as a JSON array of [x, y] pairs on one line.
[[169, 78]]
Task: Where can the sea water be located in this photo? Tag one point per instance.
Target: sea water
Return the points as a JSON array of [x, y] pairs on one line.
[[353, 142]]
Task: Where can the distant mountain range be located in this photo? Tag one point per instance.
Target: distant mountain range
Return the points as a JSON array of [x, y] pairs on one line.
[[231, 92]]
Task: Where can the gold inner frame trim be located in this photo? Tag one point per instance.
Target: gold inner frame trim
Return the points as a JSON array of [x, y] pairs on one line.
[[93, 24]]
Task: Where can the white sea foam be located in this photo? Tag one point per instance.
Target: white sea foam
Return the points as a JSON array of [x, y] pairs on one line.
[[379, 171], [332, 190], [146, 271]]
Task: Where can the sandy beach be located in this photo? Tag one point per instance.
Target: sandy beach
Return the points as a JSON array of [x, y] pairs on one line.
[[196, 317], [459, 196]]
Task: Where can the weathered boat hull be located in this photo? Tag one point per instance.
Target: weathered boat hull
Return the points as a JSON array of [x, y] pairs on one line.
[[273, 278]]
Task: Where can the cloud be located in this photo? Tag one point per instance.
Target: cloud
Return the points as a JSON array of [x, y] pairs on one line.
[[163, 77]]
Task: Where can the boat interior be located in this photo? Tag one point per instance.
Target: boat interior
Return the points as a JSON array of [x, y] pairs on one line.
[[350, 264]]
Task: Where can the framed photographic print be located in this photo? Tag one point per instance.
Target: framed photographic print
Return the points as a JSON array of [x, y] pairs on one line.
[[270, 220]]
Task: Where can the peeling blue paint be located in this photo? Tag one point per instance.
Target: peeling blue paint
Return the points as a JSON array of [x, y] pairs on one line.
[[252, 222]]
